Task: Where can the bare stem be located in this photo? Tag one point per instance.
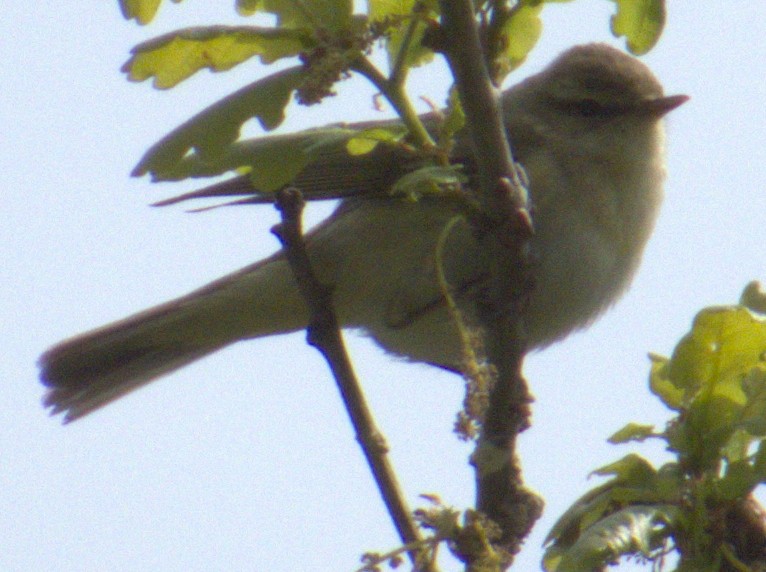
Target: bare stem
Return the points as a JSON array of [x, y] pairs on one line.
[[324, 334]]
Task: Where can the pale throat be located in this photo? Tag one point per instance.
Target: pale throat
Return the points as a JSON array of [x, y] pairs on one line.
[[635, 167]]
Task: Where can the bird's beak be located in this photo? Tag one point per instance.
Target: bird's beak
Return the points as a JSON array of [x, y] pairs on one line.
[[663, 105]]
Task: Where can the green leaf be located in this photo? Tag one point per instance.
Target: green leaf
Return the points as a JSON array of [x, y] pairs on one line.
[[737, 446], [366, 140], [312, 14], [384, 10], [395, 19], [277, 165], [661, 385], [724, 343], [631, 470], [212, 131], [724, 422], [521, 31], [630, 531], [759, 461], [271, 162], [709, 425], [718, 366], [739, 481], [591, 506], [632, 432], [416, 53], [143, 11], [636, 482], [453, 120], [274, 166], [640, 21], [753, 415], [174, 57], [432, 179]]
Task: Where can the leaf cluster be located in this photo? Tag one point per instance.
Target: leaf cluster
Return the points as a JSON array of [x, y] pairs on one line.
[[699, 504], [326, 42]]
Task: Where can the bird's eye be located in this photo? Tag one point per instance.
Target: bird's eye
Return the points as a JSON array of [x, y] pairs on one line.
[[588, 108]]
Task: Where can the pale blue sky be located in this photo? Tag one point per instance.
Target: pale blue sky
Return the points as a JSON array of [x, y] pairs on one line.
[[245, 461]]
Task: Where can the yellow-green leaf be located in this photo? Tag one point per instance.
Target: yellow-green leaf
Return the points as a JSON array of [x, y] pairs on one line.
[[724, 342], [521, 31], [276, 161], [640, 21], [432, 179], [453, 120], [211, 132], [738, 481], [277, 165], [635, 530], [631, 469], [380, 10], [176, 56], [141, 10], [366, 141], [737, 447], [415, 53], [759, 461], [661, 385], [314, 14], [753, 416], [632, 432], [271, 162], [399, 32], [717, 365]]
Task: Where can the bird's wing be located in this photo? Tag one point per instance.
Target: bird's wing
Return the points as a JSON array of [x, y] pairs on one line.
[[456, 270], [331, 171]]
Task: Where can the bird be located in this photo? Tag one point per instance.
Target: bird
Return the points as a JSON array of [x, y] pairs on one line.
[[588, 131]]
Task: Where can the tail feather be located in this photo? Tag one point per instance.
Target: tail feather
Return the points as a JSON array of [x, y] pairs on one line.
[[79, 391], [93, 369]]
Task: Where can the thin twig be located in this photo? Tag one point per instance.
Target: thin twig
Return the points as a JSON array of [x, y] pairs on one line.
[[400, 68], [324, 334], [504, 234], [395, 94]]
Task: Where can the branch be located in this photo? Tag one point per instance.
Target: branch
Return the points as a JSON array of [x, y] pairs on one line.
[[324, 334], [504, 233]]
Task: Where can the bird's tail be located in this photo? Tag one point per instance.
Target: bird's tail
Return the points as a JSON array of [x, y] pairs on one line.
[[91, 370]]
